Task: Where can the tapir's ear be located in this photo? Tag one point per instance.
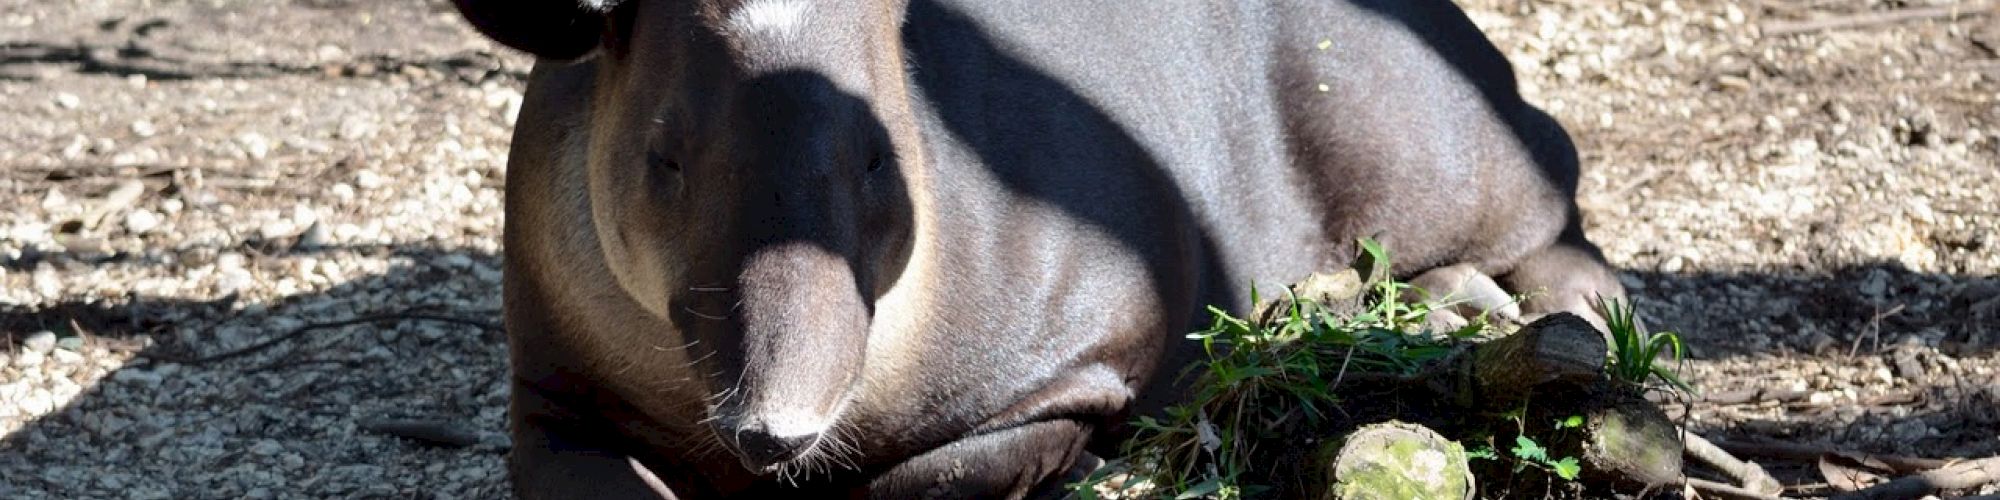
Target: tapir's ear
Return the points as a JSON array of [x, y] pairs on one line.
[[553, 29]]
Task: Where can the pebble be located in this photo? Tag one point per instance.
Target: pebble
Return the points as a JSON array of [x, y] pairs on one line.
[[368, 179], [29, 359], [38, 401], [68, 101], [66, 357], [254, 144], [137, 376], [144, 128], [267, 448], [142, 221], [40, 342]]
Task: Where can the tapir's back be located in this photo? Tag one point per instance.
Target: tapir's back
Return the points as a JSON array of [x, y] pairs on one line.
[[1285, 128]]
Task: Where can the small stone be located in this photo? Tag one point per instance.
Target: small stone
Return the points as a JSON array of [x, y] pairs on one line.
[[29, 359], [1874, 285], [267, 448], [144, 128], [71, 344], [1819, 342], [66, 357], [67, 100], [342, 191], [254, 144], [40, 342], [137, 376], [315, 236], [368, 179], [38, 402], [1673, 264], [277, 229], [142, 221], [430, 333]]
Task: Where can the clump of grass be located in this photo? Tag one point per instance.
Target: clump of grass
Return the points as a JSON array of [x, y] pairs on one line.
[[1265, 381], [1635, 352]]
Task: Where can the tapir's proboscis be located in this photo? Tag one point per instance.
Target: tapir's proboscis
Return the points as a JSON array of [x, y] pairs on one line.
[[948, 248]]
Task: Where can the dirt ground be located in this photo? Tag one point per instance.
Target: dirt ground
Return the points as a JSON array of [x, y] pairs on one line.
[[194, 193]]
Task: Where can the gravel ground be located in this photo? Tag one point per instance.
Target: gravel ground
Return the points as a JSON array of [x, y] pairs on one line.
[[1815, 212]]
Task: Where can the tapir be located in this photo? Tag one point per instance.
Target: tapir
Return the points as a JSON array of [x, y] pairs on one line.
[[949, 248]]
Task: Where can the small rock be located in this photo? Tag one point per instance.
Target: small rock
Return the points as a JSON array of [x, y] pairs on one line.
[[1876, 284], [267, 448], [38, 402], [29, 359], [1818, 342], [40, 342], [1883, 375], [368, 179], [71, 344], [433, 333], [137, 376], [254, 144], [66, 357], [1673, 264], [68, 100], [142, 221], [342, 191], [143, 128], [278, 229], [315, 236], [154, 437]]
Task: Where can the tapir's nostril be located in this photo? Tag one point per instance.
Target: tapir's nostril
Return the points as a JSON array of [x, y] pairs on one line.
[[760, 449]]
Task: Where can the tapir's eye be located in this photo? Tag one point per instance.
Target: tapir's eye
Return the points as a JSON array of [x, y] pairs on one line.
[[875, 164], [660, 162]]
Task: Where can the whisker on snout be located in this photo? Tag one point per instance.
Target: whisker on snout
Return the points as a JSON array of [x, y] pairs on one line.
[[699, 314], [709, 289]]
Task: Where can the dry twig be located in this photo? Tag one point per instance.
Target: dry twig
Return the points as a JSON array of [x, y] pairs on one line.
[[1876, 18], [1802, 453], [1957, 476], [295, 332], [1719, 490]]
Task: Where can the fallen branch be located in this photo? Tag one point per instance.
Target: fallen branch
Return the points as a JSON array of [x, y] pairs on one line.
[[1803, 453], [295, 332], [1748, 474], [1957, 476], [1875, 19], [1719, 490], [426, 431]]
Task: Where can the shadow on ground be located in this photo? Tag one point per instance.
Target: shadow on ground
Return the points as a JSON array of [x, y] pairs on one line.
[[433, 352]]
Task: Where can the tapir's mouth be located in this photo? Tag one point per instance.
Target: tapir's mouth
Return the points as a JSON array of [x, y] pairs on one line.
[[789, 444]]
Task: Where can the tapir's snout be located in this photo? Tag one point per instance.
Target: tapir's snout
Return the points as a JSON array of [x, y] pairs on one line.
[[764, 443], [803, 330]]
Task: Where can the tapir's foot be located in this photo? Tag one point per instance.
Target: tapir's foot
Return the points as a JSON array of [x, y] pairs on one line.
[[1458, 292], [1034, 460], [1567, 276]]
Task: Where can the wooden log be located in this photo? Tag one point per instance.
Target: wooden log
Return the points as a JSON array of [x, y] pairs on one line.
[[1632, 442], [1557, 347], [1396, 460]]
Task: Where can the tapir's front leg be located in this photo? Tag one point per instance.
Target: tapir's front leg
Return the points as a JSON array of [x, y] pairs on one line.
[[551, 460], [1033, 460]]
